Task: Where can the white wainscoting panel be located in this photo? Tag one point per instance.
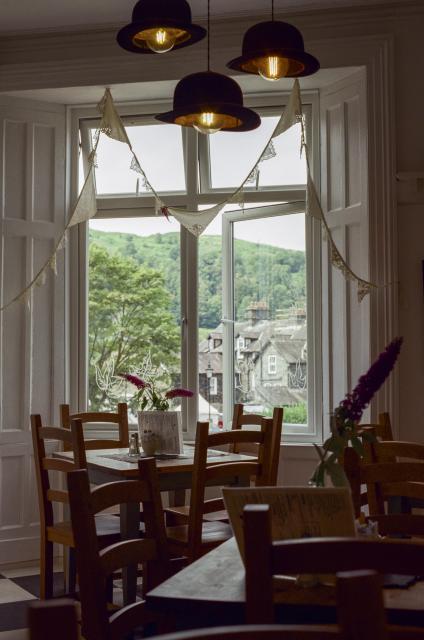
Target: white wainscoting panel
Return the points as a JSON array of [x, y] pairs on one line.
[[344, 180], [32, 345]]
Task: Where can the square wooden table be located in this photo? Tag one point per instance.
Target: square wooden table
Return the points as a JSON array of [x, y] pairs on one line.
[[174, 476], [211, 592]]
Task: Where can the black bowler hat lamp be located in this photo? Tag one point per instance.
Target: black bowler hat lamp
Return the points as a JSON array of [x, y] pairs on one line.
[[274, 50], [158, 26], [210, 102]]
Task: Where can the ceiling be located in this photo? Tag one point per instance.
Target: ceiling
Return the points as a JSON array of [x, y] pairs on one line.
[[16, 15]]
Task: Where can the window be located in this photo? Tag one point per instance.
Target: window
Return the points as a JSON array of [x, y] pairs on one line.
[[272, 365], [213, 386], [200, 292]]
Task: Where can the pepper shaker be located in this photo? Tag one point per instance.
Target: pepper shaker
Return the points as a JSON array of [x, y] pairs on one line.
[[134, 449]]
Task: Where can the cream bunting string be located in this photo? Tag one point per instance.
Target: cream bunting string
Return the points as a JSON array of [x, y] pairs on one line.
[[195, 221]]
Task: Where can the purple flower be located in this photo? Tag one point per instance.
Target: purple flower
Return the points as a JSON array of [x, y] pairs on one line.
[[354, 403], [135, 380], [178, 393]]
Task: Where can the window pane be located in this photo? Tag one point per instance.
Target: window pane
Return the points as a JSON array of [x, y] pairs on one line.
[[270, 341], [231, 163], [159, 149], [134, 304], [210, 328]]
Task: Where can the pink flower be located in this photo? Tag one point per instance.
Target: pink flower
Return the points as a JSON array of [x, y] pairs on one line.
[[178, 393], [135, 380]]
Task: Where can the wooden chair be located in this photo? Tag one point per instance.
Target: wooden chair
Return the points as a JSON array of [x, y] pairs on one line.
[[52, 620], [241, 419], [179, 515], [120, 418], [382, 429], [96, 566], [198, 537], [391, 470], [51, 530], [265, 559]]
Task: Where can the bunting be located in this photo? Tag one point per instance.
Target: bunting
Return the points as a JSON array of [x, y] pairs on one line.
[[196, 222]]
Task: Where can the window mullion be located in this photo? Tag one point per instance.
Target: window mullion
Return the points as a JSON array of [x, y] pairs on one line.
[[189, 282]]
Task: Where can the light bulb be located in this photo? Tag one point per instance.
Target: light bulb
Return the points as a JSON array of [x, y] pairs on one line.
[[209, 122], [160, 40], [272, 67]]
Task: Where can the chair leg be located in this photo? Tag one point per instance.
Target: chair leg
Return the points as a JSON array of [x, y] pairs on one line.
[[46, 569], [72, 572]]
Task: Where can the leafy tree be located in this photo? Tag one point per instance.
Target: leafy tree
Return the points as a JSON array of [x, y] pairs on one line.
[[130, 316], [276, 275]]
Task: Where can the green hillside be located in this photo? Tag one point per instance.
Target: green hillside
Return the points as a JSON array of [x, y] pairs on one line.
[[262, 272]]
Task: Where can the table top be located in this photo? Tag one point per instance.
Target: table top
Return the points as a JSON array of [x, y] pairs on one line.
[[98, 460], [215, 584]]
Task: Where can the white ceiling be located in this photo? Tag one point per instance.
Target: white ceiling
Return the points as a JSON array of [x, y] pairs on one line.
[[16, 15]]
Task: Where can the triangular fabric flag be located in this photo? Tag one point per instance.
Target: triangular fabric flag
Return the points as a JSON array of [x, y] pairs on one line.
[[313, 207], [86, 206], [111, 123], [292, 113], [196, 221]]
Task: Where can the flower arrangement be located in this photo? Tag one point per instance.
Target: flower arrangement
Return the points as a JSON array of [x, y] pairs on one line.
[[149, 397], [344, 423]]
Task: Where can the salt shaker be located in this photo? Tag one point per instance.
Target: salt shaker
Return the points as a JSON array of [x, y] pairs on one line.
[[134, 449]]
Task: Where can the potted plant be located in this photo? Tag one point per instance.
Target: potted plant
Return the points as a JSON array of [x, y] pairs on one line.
[[159, 428], [346, 417]]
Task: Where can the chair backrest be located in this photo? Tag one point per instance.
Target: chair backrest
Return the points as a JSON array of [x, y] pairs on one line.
[[241, 419], [203, 471], [382, 429], [53, 619], [120, 418], [94, 566], [390, 469], [73, 438], [265, 558]]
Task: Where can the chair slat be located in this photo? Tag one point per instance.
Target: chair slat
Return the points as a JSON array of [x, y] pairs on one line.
[[235, 436], [123, 554], [55, 433], [56, 495], [110, 494], [54, 464], [228, 469]]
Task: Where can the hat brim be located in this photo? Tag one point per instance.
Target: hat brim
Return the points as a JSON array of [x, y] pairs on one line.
[[309, 62], [125, 36], [249, 119]]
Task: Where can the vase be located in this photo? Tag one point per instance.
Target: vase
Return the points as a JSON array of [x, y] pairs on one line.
[[162, 428]]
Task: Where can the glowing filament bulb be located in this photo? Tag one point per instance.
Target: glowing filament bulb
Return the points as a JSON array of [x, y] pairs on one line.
[[209, 122], [272, 67], [160, 41]]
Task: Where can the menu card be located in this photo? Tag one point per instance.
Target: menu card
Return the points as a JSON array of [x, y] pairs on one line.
[[296, 512]]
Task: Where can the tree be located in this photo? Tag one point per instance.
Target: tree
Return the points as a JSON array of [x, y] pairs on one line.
[[129, 316]]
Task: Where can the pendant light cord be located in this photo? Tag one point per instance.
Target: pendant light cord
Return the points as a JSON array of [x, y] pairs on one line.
[[209, 35], [272, 10]]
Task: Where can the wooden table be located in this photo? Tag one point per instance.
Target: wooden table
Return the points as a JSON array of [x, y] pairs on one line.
[[174, 476], [210, 592]]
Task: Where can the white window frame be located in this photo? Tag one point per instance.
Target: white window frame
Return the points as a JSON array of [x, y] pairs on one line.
[[313, 431], [198, 193], [272, 365]]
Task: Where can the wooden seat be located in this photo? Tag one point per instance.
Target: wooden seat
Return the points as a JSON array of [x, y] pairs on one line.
[[51, 529], [264, 559], [179, 515], [96, 566], [120, 418], [390, 469], [198, 537]]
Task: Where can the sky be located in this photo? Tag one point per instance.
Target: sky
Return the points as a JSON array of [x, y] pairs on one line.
[[232, 156]]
